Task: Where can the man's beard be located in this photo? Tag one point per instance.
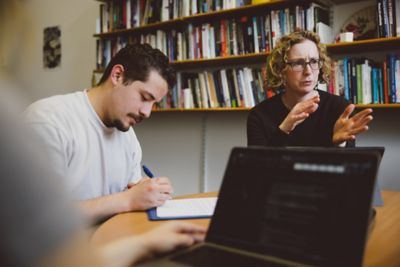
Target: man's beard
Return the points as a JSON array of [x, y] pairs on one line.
[[120, 126]]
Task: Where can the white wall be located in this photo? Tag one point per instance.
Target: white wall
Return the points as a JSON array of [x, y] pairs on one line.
[[172, 143], [76, 19]]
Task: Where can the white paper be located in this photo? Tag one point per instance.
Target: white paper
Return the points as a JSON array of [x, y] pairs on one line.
[[325, 33], [189, 207]]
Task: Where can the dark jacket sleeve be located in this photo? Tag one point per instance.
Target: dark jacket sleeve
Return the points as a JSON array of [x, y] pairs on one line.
[[261, 131]]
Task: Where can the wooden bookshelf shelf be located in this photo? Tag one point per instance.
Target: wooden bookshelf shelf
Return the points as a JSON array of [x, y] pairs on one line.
[[358, 106], [221, 61], [200, 109], [378, 106], [378, 44], [165, 25], [213, 62]]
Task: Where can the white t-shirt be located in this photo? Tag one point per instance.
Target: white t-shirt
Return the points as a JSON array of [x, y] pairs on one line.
[[93, 160]]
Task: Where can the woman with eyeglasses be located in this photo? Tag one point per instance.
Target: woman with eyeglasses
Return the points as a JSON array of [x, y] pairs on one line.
[[300, 114]]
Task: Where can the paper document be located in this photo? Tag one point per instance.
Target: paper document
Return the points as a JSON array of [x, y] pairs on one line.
[[184, 208]]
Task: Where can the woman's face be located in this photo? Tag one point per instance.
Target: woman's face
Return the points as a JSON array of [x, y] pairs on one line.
[[302, 78]]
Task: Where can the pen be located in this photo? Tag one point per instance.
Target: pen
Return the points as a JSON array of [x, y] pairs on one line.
[[147, 171]]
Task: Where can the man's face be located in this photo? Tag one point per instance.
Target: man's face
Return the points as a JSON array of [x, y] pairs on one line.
[[130, 104]]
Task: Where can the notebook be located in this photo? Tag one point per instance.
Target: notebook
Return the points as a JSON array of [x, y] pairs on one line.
[[190, 208], [285, 207]]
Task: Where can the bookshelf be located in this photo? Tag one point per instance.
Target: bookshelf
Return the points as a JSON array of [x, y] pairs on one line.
[[389, 43], [253, 58], [177, 110], [203, 17]]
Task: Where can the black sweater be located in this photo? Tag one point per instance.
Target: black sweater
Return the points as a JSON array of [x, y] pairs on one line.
[[317, 130]]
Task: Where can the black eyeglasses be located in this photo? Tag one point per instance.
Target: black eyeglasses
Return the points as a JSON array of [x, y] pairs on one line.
[[300, 65]]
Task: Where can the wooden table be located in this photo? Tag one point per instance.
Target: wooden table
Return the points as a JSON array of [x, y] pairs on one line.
[[382, 250]]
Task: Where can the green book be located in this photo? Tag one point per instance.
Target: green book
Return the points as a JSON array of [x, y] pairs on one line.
[[359, 84]]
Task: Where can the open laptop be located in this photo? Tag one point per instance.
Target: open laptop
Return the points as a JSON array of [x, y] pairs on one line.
[[283, 207], [377, 199]]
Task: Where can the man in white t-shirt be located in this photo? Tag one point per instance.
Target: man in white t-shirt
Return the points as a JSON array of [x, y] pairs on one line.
[[89, 137]]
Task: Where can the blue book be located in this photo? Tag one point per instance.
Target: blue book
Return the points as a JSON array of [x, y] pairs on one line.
[[380, 84], [353, 70], [385, 18], [262, 34], [282, 22], [375, 95], [346, 79], [392, 77]]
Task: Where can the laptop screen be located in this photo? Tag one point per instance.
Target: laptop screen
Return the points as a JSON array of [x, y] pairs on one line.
[[310, 207]]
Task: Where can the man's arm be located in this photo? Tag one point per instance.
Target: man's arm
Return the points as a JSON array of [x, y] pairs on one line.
[[126, 251], [146, 194]]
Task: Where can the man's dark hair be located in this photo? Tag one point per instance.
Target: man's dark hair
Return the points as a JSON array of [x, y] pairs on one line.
[[138, 60]]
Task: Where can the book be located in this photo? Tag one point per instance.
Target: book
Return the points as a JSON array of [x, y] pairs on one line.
[[392, 78], [375, 90], [189, 208], [397, 78], [397, 16], [379, 11], [385, 82]]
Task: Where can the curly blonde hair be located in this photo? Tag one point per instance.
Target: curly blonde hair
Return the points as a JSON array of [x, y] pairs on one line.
[[276, 65]]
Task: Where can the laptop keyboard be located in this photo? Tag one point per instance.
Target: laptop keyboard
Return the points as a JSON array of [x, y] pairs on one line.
[[210, 257]]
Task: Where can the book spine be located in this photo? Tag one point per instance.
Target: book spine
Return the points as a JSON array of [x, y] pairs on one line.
[[392, 77], [359, 84], [374, 81], [225, 89], [385, 18], [346, 79], [397, 16], [255, 35], [353, 80], [397, 78], [391, 19], [380, 86], [385, 82]]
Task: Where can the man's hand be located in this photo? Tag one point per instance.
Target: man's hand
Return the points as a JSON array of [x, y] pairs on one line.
[[346, 128], [165, 238], [299, 113], [172, 235], [148, 193]]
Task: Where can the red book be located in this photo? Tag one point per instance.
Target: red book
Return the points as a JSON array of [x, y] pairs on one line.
[[385, 82], [124, 14], [223, 39]]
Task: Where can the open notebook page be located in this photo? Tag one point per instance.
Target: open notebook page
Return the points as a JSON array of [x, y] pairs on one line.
[[187, 207]]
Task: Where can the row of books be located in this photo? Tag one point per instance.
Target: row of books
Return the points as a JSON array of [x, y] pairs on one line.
[[388, 18], [220, 38], [359, 80], [126, 14], [241, 87], [363, 81]]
